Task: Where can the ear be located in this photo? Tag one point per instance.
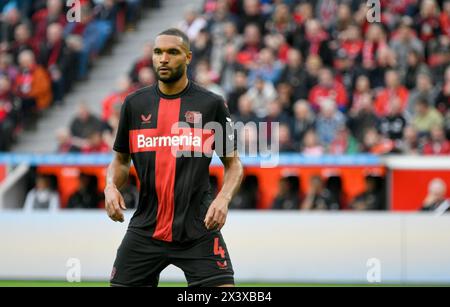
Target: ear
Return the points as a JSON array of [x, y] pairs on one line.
[[189, 58]]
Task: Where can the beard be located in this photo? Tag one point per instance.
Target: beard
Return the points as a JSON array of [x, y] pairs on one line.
[[174, 75]]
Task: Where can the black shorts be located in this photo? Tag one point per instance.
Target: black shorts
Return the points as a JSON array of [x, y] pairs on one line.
[[139, 261]]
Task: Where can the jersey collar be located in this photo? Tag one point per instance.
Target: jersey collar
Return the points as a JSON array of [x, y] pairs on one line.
[[161, 94]]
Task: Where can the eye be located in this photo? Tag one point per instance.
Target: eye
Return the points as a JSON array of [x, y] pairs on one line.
[[157, 51]]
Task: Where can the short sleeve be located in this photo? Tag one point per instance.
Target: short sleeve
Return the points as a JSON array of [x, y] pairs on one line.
[[122, 142], [225, 142]]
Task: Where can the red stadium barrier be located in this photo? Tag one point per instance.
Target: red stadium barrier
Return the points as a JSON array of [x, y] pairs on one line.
[[407, 182], [268, 178], [409, 187], [2, 172], [67, 178]]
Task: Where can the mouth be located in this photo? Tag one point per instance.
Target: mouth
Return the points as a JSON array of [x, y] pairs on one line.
[[163, 69]]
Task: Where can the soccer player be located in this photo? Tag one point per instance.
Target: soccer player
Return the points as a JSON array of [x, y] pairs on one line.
[[178, 220]]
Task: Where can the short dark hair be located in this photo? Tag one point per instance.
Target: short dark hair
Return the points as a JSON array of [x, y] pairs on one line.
[[179, 33]]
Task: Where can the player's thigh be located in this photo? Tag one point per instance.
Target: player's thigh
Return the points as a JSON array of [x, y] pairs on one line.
[[205, 263], [139, 261]]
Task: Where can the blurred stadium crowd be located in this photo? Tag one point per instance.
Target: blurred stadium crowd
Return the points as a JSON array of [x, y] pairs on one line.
[[42, 55], [335, 82]]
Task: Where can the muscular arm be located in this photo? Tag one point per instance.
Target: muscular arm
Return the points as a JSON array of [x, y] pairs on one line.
[[232, 176], [218, 210], [118, 170], [116, 177]]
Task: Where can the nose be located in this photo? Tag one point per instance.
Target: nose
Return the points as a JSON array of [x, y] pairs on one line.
[[164, 57]]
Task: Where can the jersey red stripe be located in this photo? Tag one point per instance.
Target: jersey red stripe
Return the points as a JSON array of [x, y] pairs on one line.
[[165, 167]]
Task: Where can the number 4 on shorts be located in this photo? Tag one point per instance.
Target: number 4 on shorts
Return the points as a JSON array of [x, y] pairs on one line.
[[218, 250]]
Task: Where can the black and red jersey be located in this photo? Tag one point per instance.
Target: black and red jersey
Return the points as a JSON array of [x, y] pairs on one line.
[[171, 140]]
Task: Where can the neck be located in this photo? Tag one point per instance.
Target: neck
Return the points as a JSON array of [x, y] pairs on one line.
[[173, 88]]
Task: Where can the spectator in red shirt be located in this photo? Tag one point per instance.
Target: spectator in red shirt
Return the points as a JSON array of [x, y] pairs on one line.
[[6, 104], [328, 87], [8, 114], [304, 11], [144, 61], [316, 42], [445, 18], [146, 78], [362, 90], [438, 144], [95, 144], [22, 41], [59, 60], [52, 13], [248, 54], [396, 7], [326, 11], [428, 23], [375, 40], [393, 90], [65, 141], [350, 40], [123, 88]]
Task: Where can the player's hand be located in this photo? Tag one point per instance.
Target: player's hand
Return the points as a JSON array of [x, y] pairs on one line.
[[114, 204], [217, 213]]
